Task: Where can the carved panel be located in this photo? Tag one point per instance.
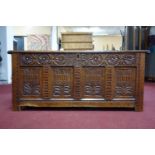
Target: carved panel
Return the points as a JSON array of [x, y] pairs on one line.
[[79, 59], [125, 79], [62, 83], [93, 82], [30, 82]]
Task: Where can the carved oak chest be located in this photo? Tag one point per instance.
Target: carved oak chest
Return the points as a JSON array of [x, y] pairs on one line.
[[78, 79]]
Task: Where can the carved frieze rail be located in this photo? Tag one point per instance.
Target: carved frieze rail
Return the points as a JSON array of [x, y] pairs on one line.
[[79, 59]]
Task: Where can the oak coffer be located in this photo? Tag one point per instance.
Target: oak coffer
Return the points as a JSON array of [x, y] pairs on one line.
[[111, 79]]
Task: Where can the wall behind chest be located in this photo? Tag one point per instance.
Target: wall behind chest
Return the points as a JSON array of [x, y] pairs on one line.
[[6, 39]]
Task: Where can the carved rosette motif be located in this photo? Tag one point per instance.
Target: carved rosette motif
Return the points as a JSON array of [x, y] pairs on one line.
[[31, 81], [27, 59], [92, 59], [81, 59], [124, 89], [43, 59], [59, 59]]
